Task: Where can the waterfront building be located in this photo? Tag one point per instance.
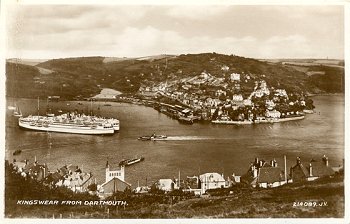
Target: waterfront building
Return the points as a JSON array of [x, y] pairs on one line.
[[273, 114], [312, 171]]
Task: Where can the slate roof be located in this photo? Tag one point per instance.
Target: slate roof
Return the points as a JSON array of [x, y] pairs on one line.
[[319, 169], [115, 179], [303, 169], [270, 175]]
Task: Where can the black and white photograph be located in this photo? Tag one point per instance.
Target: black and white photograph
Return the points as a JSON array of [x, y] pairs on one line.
[[167, 110]]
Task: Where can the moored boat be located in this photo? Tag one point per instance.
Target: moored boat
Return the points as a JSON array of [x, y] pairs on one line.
[[70, 123], [128, 162], [17, 152]]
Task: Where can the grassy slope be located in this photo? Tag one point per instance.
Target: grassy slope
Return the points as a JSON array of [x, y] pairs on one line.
[[245, 203]]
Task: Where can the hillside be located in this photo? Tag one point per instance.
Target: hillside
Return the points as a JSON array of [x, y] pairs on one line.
[[238, 201], [86, 76]]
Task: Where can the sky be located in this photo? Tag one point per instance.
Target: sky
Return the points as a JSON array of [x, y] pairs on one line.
[[60, 31]]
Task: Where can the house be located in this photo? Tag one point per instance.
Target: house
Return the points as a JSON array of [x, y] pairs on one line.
[[33, 170], [247, 102], [72, 177], [166, 185], [281, 92], [311, 171], [237, 98], [235, 77], [265, 175], [270, 104], [273, 114], [37, 171], [211, 181]]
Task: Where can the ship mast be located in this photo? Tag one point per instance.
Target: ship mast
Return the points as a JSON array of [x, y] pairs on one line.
[[38, 107]]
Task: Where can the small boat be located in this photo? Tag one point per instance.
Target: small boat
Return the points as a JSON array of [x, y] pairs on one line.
[[17, 152], [107, 104], [128, 162], [17, 112], [185, 120]]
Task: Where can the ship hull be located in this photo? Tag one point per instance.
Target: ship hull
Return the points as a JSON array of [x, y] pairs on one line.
[[73, 129]]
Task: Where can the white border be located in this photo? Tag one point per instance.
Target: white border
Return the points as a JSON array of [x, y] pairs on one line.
[[346, 5]]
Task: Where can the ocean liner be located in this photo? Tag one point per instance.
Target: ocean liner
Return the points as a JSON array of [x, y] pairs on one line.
[[70, 123]]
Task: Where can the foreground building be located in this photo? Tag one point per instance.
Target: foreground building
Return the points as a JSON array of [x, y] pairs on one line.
[[114, 181], [72, 177], [311, 171], [265, 175]]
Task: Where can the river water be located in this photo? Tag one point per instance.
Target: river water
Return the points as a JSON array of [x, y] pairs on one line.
[[190, 149]]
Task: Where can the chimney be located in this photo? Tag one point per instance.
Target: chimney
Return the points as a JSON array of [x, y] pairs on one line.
[[298, 160], [271, 163], [285, 168], [260, 163], [325, 160], [255, 172], [256, 160], [310, 170], [274, 162]]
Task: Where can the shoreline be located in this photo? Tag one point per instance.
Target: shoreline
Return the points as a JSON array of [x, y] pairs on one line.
[[325, 94], [259, 122]]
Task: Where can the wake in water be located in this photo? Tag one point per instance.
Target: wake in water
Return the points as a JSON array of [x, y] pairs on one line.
[[186, 138]]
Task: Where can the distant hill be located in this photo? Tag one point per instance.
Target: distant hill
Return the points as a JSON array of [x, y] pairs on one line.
[[86, 76]]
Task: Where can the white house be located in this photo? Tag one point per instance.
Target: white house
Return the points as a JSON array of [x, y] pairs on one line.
[[235, 77], [247, 102], [211, 181], [273, 114], [281, 92], [166, 185], [237, 97], [110, 174]]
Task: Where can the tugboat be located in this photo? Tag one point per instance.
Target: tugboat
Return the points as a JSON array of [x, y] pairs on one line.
[[128, 162], [153, 137], [17, 152]]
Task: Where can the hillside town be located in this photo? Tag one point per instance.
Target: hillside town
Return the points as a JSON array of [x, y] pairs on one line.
[[225, 100], [260, 174]]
